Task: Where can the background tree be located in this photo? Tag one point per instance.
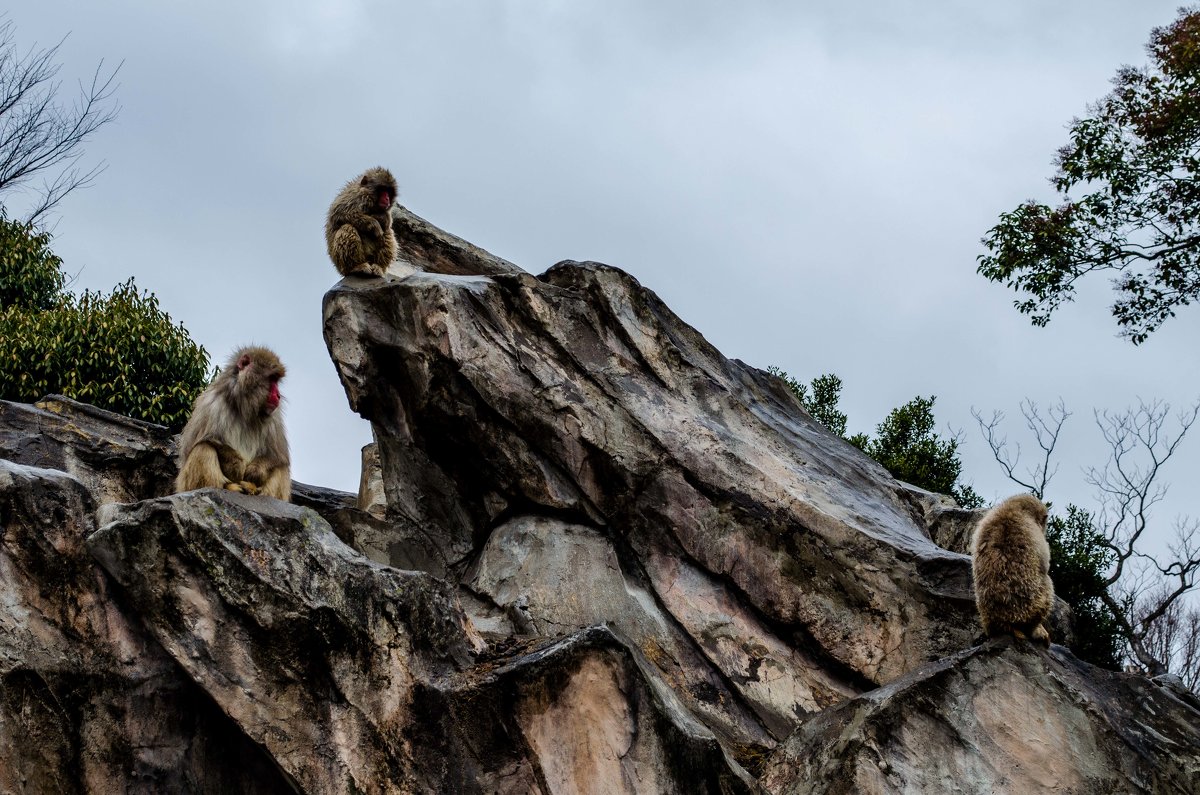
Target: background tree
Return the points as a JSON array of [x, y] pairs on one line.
[[905, 442], [1080, 559], [1138, 155], [118, 351], [41, 136], [30, 274], [820, 399], [1116, 588]]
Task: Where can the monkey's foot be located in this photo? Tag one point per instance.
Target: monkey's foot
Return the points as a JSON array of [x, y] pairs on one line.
[[367, 269], [233, 486], [1040, 635], [241, 487]]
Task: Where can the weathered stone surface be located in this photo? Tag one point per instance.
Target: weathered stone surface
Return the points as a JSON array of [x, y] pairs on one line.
[[581, 714], [1001, 717], [371, 497], [394, 542], [341, 669], [725, 665], [309, 647], [950, 525], [117, 458], [423, 245], [580, 395], [88, 701]]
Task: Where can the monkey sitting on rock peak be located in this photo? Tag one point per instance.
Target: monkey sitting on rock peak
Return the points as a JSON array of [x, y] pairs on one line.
[[358, 229], [235, 438], [1010, 561]]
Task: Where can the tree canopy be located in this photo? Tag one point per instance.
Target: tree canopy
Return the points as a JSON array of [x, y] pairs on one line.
[[1130, 197], [118, 351]]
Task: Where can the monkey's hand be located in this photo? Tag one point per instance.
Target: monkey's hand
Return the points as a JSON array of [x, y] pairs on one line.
[[259, 470], [242, 487], [371, 228]]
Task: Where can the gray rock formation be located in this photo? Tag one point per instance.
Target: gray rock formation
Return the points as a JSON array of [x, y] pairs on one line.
[[589, 555], [998, 718], [89, 701], [576, 412]]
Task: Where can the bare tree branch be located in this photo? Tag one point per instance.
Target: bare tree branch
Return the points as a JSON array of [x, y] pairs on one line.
[[41, 136], [1144, 593], [1045, 433]]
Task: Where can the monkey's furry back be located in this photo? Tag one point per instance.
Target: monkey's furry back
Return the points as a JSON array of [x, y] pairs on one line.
[[1010, 562]]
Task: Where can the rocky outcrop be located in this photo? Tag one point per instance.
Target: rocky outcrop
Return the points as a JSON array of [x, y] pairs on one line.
[[589, 554], [211, 642], [998, 718], [89, 701], [310, 648], [574, 420], [116, 458]]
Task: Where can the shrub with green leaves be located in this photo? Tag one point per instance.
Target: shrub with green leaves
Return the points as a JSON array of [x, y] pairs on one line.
[[118, 351], [1080, 559], [30, 274], [905, 443]]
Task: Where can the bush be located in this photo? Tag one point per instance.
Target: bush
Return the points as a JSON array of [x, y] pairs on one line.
[[1080, 559], [905, 443], [119, 351], [30, 275]]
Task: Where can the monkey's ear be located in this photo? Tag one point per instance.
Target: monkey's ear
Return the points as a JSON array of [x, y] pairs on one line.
[[243, 362], [363, 182]]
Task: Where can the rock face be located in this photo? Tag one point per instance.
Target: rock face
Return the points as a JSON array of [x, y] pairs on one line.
[[89, 701], [589, 555], [211, 642], [997, 718], [571, 429]]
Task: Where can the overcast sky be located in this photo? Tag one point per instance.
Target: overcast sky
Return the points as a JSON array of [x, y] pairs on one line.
[[806, 183]]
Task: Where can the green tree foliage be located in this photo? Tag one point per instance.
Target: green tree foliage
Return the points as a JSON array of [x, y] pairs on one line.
[[822, 401], [1138, 155], [1080, 559], [30, 275], [905, 442], [118, 351]]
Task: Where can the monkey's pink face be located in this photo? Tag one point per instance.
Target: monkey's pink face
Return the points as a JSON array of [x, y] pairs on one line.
[[272, 402], [383, 197]]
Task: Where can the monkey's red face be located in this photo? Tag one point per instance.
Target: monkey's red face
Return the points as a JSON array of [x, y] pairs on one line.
[[383, 197], [272, 402], [258, 380]]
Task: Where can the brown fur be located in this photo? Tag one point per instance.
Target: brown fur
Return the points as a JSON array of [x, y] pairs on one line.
[[234, 440], [1010, 560], [358, 230]]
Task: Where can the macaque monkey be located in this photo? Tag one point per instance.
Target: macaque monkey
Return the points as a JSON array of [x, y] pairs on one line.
[[358, 230], [1010, 560], [235, 438]]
